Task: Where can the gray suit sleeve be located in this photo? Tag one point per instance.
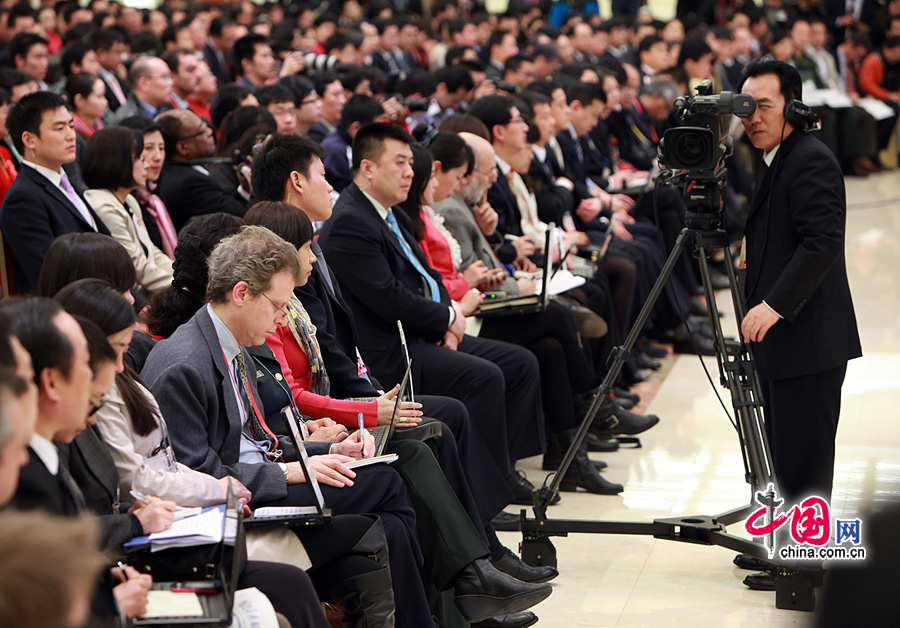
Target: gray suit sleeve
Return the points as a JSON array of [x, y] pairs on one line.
[[199, 432]]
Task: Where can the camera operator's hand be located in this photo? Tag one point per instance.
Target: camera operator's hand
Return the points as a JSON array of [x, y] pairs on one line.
[[485, 88], [393, 110], [758, 322], [293, 63]]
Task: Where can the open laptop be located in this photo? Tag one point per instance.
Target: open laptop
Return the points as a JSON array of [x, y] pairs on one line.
[[203, 602], [294, 516], [384, 433], [531, 303]]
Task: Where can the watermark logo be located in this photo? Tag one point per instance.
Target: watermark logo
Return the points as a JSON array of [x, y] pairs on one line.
[[811, 529]]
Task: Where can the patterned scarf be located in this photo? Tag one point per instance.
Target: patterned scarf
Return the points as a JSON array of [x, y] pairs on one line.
[[83, 128], [305, 334], [156, 208]]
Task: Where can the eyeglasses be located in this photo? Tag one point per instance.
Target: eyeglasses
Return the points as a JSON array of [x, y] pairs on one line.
[[204, 127], [493, 172], [96, 404], [275, 305], [311, 100]]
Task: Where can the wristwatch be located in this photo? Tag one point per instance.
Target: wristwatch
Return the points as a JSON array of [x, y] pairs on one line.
[[284, 469]]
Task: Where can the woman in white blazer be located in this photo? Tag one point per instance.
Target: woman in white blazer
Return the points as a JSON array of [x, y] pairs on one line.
[[112, 167]]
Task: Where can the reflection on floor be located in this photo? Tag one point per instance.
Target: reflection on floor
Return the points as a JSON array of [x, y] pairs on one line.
[[690, 464]]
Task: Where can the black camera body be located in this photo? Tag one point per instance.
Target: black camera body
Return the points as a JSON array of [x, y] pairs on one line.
[[702, 145], [694, 154]]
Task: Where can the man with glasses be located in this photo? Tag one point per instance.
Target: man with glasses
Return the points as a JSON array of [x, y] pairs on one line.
[[184, 184], [151, 89]]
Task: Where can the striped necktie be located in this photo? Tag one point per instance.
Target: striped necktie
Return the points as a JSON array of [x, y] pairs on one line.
[[435, 292]]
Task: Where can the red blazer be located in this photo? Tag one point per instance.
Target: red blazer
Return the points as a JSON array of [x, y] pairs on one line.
[[295, 368], [437, 252]]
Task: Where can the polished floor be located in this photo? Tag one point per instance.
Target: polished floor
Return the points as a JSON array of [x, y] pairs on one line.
[[690, 464]]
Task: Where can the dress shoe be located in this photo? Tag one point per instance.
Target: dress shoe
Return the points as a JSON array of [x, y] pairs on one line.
[[612, 419], [599, 444], [514, 566], [865, 164], [654, 351], [516, 620], [554, 456], [582, 473], [522, 489], [752, 563], [644, 361], [506, 522], [718, 280], [482, 591], [626, 394], [698, 307], [764, 581]]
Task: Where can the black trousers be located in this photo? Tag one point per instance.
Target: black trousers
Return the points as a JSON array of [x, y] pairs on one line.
[[289, 590], [552, 336], [801, 424], [498, 384], [380, 490]]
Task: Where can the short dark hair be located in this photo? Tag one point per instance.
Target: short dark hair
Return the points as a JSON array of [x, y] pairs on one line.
[[245, 48], [172, 129], [455, 54], [496, 38], [20, 9], [73, 53], [493, 110], [322, 80], [10, 78], [585, 93], [270, 94], [21, 43], [369, 141], [341, 39], [32, 320], [788, 77], [464, 123], [27, 114], [548, 51], [693, 48], [454, 77], [891, 42], [273, 164], [284, 220], [104, 39], [109, 156], [360, 108], [648, 42], [74, 256], [173, 56], [299, 86], [79, 84], [227, 99]]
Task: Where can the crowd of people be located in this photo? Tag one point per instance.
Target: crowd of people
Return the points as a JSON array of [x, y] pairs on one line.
[[215, 216]]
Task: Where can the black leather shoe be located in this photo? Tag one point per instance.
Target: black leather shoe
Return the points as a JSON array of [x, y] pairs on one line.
[[718, 279], [699, 345], [605, 445], [582, 473], [516, 620], [644, 361], [522, 489], [554, 456], [752, 563], [514, 566], [764, 581], [482, 591], [620, 421], [506, 522], [626, 394]]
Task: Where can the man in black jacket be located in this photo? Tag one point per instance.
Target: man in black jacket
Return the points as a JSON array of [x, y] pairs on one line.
[[800, 319], [184, 186]]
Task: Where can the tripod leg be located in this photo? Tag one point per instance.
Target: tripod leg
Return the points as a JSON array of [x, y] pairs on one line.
[[620, 354]]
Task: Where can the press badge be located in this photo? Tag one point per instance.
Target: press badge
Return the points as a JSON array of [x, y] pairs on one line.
[[743, 258], [361, 367]]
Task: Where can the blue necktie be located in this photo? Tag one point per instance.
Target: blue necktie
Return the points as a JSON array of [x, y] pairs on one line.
[[432, 284]]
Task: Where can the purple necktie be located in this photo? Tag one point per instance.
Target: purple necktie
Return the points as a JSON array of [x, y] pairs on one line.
[[66, 185]]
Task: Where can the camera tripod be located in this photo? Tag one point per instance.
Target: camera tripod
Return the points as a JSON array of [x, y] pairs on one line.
[[736, 371]]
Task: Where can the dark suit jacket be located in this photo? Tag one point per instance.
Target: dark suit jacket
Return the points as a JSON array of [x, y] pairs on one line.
[[795, 262], [40, 489], [189, 378], [188, 192], [381, 285], [336, 162], [335, 330], [111, 95], [553, 201], [34, 212], [509, 222], [319, 131], [94, 470], [215, 66]]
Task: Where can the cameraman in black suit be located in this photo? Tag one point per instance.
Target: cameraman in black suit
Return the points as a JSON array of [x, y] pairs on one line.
[[800, 317]]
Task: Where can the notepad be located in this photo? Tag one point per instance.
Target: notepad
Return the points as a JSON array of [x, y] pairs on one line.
[[365, 462], [171, 604], [200, 529]]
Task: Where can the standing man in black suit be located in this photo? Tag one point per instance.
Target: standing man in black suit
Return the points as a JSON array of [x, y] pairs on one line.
[[42, 203], [800, 316], [185, 186]]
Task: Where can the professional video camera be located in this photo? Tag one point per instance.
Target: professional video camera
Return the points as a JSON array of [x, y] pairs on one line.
[[695, 155]]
